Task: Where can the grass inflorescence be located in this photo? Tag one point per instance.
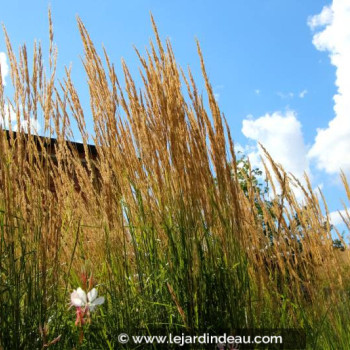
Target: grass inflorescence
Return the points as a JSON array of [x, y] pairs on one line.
[[173, 227]]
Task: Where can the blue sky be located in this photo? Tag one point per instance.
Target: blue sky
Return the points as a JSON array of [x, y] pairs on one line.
[[280, 69]]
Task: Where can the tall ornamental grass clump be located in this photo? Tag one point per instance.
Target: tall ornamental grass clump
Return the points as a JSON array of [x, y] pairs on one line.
[[173, 229]]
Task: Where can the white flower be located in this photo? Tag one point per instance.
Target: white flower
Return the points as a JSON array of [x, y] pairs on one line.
[[78, 298], [90, 301], [93, 301]]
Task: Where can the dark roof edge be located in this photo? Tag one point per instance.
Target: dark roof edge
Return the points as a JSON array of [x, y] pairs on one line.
[[49, 142]]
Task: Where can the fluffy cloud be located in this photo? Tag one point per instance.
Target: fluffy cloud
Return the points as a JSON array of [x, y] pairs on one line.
[[4, 67], [24, 126], [324, 18], [282, 136], [10, 118], [332, 144], [335, 217]]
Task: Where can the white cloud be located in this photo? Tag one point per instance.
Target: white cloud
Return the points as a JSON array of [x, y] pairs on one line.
[[285, 95], [303, 93], [332, 144], [282, 136], [257, 91], [290, 95], [324, 18], [4, 67], [217, 90], [10, 117], [335, 217], [24, 126]]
